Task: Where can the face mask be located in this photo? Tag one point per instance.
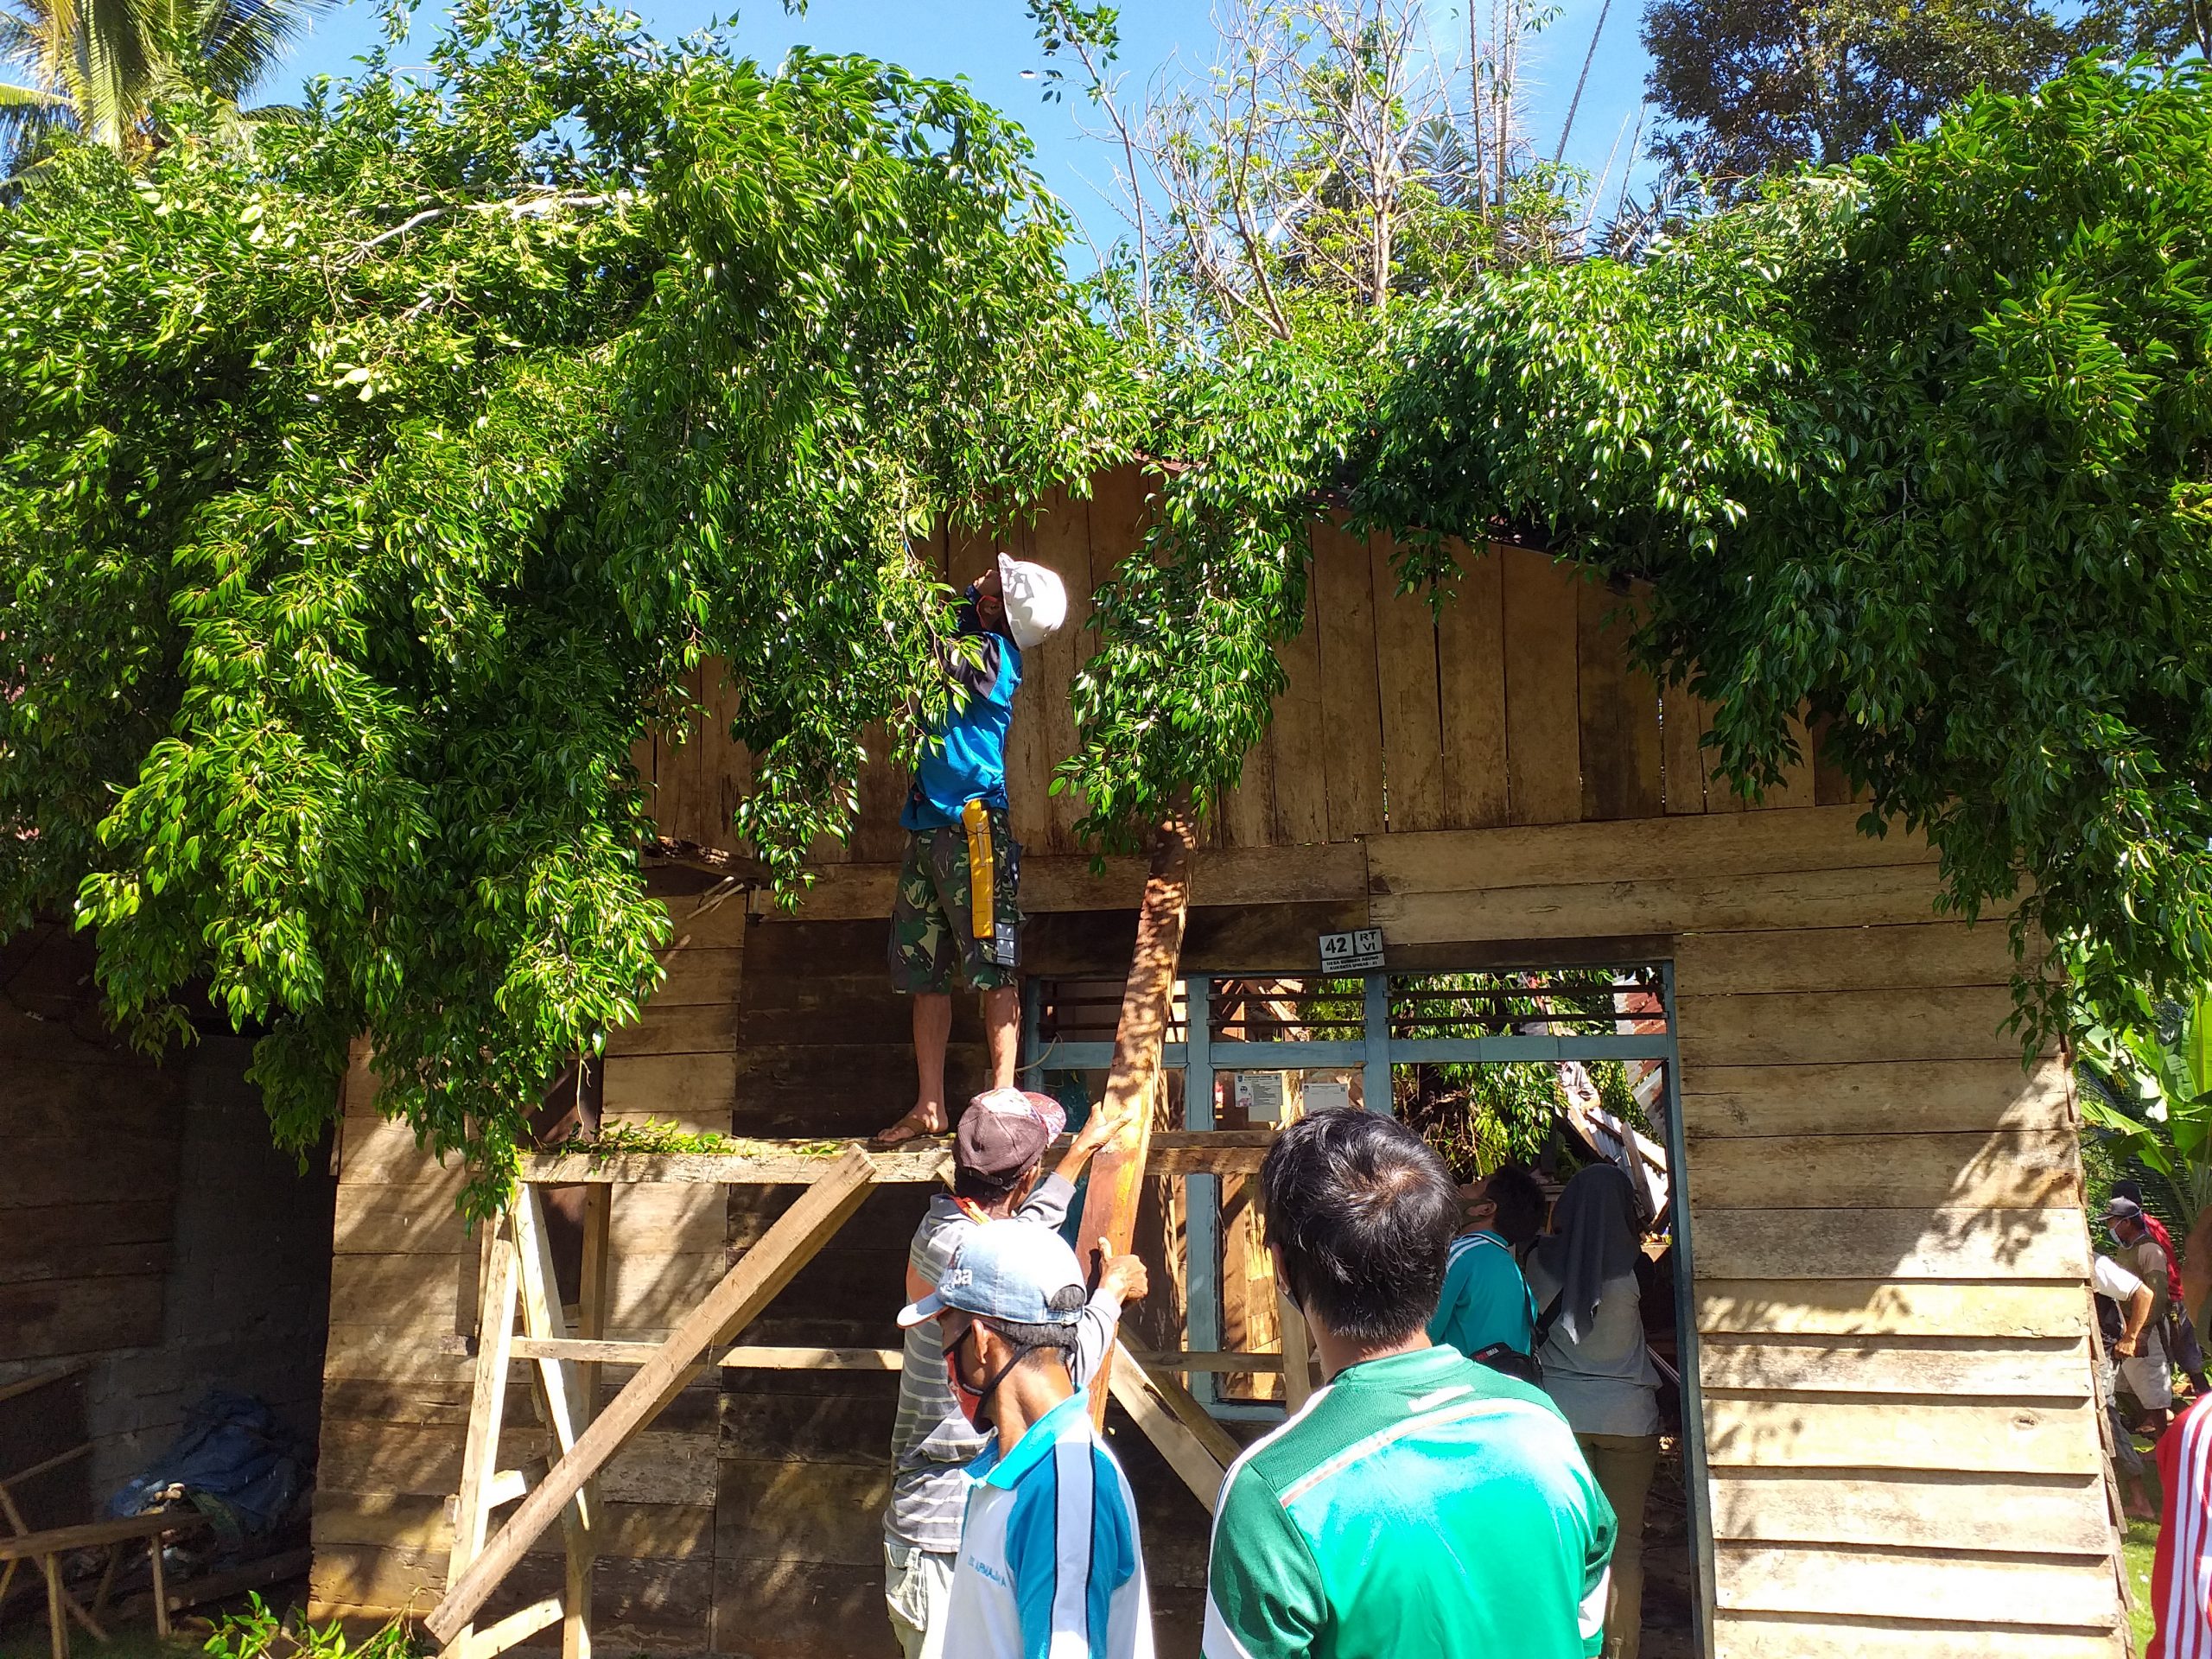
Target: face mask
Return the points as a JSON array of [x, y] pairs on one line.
[[973, 1401], [970, 1401]]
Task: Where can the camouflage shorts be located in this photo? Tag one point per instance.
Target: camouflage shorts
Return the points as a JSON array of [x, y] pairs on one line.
[[932, 919]]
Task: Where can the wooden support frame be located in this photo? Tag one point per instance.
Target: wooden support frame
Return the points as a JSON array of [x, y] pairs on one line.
[[47, 1548], [1165, 1410], [1196, 1151], [762, 1272], [517, 1278]]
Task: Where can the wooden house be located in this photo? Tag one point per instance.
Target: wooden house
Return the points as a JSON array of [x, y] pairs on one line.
[[1892, 1428]]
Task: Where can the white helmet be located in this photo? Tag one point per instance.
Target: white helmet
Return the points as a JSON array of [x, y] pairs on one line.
[[1036, 603]]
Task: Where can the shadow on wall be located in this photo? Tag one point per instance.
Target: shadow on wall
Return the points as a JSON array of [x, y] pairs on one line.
[[158, 1244]]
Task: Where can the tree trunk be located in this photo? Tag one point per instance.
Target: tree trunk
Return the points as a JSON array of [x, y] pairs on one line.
[[1110, 1207]]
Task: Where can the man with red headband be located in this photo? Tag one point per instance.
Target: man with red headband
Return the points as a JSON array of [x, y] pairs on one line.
[[998, 1153]]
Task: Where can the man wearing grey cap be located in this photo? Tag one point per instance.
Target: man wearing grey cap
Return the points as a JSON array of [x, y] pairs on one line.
[[1049, 1561], [997, 1153]]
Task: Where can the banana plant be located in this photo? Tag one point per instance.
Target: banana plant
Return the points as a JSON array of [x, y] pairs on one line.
[[2150, 1072]]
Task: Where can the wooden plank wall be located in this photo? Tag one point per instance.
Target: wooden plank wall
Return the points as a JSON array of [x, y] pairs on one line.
[[88, 1238], [1886, 1223], [1514, 704]]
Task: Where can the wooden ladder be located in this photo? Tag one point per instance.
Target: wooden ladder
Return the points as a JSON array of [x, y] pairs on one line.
[[520, 1278]]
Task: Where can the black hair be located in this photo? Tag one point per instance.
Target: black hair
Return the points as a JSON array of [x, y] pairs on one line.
[[1521, 1204], [1363, 1213], [979, 1188], [1059, 1336]]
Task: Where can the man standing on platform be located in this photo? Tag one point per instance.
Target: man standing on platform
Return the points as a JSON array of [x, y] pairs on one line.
[[957, 910]]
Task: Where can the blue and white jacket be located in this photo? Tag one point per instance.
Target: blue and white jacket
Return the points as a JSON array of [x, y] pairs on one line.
[[1050, 1567]]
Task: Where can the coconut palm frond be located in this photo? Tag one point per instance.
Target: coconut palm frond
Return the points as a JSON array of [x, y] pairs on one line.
[[29, 118], [240, 40]]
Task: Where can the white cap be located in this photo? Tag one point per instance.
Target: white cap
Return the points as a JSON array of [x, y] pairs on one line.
[[1036, 603]]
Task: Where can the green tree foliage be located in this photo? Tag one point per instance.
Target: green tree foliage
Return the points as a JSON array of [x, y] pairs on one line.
[[362, 494], [2146, 1094], [2167, 30], [1748, 87], [1327, 161], [1923, 444]]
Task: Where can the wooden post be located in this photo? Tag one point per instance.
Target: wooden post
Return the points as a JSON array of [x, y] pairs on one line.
[[1110, 1207], [160, 1587], [561, 1393], [591, 1322], [735, 1302], [480, 1451], [1297, 1363], [56, 1598]]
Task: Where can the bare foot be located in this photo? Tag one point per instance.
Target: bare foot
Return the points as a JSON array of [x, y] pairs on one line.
[[921, 1121]]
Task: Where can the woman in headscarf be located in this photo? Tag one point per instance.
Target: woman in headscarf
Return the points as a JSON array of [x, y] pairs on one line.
[[1582, 1276]]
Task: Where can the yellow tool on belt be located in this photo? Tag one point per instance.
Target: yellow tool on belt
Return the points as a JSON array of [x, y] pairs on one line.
[[976, 819]]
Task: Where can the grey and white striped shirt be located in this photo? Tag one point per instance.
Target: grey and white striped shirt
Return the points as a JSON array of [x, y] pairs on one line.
[[932, 1441]]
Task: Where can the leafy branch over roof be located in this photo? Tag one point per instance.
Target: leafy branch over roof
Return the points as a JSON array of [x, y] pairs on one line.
[[363, 495], [1925, 444]]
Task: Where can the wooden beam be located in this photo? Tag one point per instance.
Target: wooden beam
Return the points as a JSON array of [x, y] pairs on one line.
[[795, 1163], [1109, 1205], [593, 1300], [488, 1405], [512, 1630], [38, 1380], [1227, 1362], [93, 1535], [616, 1351], [1297, 1361], [1217, 1440], [750, 1286], [1143, 1398]]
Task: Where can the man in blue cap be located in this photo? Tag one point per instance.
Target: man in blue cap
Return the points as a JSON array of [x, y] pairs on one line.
[[1050, 1561], [997, 1172]]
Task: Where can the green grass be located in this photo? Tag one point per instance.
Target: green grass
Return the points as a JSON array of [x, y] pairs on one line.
[[2136, 1550]]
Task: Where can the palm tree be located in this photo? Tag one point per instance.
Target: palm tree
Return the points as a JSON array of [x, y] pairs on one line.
[[99, 67]]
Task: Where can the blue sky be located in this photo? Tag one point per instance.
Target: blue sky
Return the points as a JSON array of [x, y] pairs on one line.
[[991, 42]]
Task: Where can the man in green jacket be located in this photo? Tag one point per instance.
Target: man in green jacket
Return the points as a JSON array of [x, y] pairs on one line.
[[1420, 1503]]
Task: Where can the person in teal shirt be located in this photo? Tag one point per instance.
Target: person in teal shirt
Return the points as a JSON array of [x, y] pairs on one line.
[[1485, 1306]]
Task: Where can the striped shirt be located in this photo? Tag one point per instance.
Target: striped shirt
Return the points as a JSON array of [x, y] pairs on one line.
[[931, 1440], [1050, 1567], [1485, 1300], [2181, 1571], [1418, 1504]]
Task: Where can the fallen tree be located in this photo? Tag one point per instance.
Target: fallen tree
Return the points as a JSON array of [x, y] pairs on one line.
[[364, 493]]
